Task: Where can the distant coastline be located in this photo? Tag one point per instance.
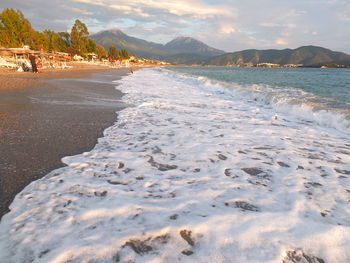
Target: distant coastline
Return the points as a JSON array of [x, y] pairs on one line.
[[190, 51], [255, 66]]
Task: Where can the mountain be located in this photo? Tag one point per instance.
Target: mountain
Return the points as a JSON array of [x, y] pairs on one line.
[[306, 55], [183, 45], [190, 48], [189, 51], [186, 59], [133, 45]]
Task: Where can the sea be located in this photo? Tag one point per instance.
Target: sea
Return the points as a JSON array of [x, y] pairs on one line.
[[313, 93], [204, 165]]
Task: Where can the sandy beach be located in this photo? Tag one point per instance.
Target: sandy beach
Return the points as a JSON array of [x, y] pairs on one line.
[[46, 116], [11, 79], [228, 143]]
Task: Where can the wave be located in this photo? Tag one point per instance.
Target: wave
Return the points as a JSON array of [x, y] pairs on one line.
[[186, 175], [294, 104]]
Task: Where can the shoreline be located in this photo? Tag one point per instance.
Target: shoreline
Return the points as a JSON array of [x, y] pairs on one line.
[[184, 160], [50, 115], [11, 79]]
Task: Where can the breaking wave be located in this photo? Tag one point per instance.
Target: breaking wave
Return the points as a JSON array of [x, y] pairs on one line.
[[295, 104]]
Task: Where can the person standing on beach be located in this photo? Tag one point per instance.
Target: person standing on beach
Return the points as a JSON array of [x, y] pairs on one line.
[[33, 62]]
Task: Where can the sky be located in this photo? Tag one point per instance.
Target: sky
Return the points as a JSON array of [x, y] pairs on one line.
[[229, 25]]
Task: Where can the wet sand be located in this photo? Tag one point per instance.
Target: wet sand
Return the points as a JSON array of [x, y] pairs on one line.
[[54, 118], [10, 79]]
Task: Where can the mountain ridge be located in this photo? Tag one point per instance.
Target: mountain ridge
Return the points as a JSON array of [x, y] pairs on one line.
[[305, 55], [134, 45], [181, 44], [153, 50], [190, 51]]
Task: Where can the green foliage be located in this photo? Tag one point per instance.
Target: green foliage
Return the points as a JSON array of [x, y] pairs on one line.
[[91, 46], [15, 30], [54, 41], [78, 36], [66, 38], [113, 53], [123, 54], [37, 41], [101, 52]]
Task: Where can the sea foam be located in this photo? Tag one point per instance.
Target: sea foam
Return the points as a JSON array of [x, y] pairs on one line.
[[299, 105], [190, 173]]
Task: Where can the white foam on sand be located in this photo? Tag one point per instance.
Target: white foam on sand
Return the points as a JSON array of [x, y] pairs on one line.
[[188, 174], [298, 104]]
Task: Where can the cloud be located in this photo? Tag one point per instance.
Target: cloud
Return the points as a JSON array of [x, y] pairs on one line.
[[230, 25], [281, 42], [194, 8], [264, 24], [344, 17], [77, 10], [128, 10], [227, 30], [294, 13]]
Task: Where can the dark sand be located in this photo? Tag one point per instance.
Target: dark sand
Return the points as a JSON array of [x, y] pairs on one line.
[[41, 124], [10, 79]]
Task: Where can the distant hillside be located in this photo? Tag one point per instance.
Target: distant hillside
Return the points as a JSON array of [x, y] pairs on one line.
[[133, 45], [189, 51], [307, 55], [186, 59], [183, 45], [190, 46]]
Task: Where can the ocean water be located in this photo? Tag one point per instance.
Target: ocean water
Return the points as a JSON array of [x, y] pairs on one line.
[[199, 168], [325, 83], [320, 92]]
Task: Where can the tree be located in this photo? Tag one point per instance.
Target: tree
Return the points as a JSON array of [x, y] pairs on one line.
[[37, 41], [15, 29], [54, 41], [91, 46], [78, 37], [124, 54], [101, 52], [113, 53], [50, 40], [66, 38], [2, 33]]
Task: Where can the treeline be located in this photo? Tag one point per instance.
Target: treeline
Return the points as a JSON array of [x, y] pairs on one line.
[[17, 31]]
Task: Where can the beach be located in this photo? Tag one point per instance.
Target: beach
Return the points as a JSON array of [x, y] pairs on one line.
[[195, 170], [174, 132], [46, 116]]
